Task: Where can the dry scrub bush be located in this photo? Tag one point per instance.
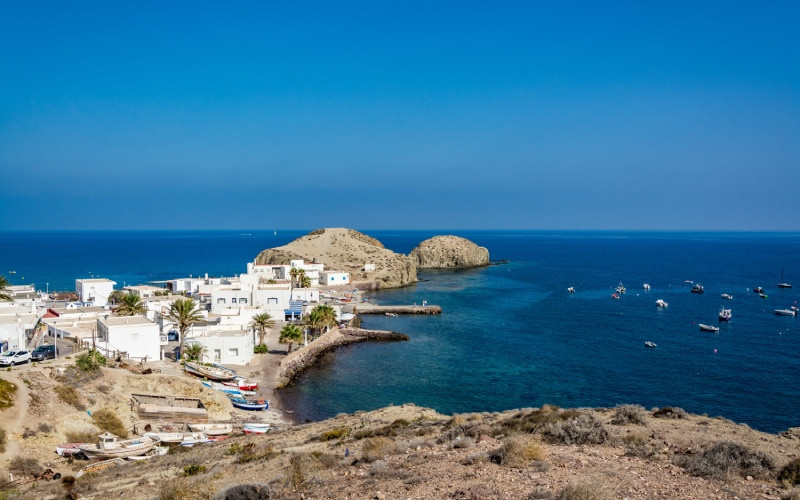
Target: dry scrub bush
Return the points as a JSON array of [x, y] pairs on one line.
[[585, 490], [375, 448], [69, 395], [251, 452], [391, 430], [45, 427], [636, 445], [7, 390], [247, 492], [629, 414], [302, 467], [182, 489], [3, 440], [335, 434], [670, 412], [792, 495], [108, 421], [87, 436], [727, 459], [538, 419], [25, 466], [583, 429], [790, 473], [518, 451]]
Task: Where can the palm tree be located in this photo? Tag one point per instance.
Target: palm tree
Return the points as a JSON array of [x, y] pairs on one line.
[[184, 313], [193, 351], [289, 335], [301, 276], [4, 284], [293, 274], [322, 317], [262, 322], [130, 305], [305, 282]]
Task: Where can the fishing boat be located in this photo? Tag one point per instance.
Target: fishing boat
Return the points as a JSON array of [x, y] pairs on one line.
[[227, 389], [620, 288], [708, 328], [255, 428], [155, 452], [785, 312], [242, 384], [661, 303], [698, 288], [646, 287], [727, 296], [614, 296], [98, 466], [178, 438], [212, 429], [783, 283], [650, 344], [758, 289], [68, 449], [391, 315], [763, 295], [724, 314], [248, 404], [215, 372], [571, 289], [109, 446]]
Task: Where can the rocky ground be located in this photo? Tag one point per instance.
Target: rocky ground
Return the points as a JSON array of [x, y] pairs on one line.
[[400, 451]]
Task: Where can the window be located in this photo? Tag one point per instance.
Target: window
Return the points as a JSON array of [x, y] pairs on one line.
[[233, 352], [134, 337], [233, 300], [272, 300], [243, 301], [220, 301], [217, 355]]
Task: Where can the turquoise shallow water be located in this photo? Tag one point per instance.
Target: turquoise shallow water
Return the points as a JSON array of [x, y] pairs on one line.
[[510, 335]]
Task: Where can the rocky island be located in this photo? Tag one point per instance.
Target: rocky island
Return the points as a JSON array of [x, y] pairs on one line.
[[449, 252]]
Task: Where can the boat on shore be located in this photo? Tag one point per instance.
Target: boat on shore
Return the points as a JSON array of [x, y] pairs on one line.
[[255, 428], [249, 404], [109, 446], [785, 312], [217, 386], [68, 449], [242, 384], [708, 328], [212, 429], [725, 314], [155, 452], [661, 303], [178, 438], [214, 372], [98, 466]]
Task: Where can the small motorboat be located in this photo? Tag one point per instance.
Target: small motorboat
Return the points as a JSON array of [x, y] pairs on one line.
[[708, 328], [215, 372], [212, 429], [249, 404], [783, 284], [646, 287], [758, 289], [620, 288], [724, 314], [109, 446], [698, 288], [650, 344], [661, 303], [242, 384], [178, 438], [785, 312], [727, 296], [68, 449], [614, 296], [155, 452], [571, 290], [763, 295], [391, 315], [255, 428], [227, 389]]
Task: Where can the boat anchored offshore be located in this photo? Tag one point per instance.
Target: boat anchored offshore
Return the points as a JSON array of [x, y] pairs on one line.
[[620, 288], [727, 296], [650, 344], [783, 284], [646, 287], [571, 290], [708, 328], [724, 314], [785, 312], [698, 288], [661, 303]]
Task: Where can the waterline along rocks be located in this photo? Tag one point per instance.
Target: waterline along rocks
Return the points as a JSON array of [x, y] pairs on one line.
[[449, 252]]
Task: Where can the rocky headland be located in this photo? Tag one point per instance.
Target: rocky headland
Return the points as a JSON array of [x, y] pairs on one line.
[[449, 252]]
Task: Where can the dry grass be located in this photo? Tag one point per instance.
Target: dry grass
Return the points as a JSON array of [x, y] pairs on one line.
[[108, 421], [518, 451], [636, 445], [7, 391], [629, 414], [26, 466], [335, 434], [391, 430], [536, 420], [585, 489], [302, 467], [87, 436], [789, 475], [727, 459], [670, 412], [69, 395], [583, 429], [376, 448], [3, 440], [246, 492]]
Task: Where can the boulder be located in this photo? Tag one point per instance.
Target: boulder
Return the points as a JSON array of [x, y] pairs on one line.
[[449, 252]]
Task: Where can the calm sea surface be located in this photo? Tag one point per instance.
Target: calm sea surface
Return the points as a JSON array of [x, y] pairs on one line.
[[510, 335]]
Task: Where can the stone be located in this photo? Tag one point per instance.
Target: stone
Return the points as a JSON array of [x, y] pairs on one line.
[[449, 252]]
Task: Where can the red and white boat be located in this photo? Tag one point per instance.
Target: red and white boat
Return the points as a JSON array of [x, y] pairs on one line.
[[242, 384], [68, 449]]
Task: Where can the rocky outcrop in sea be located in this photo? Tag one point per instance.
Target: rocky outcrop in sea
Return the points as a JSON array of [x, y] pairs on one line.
[[449, 252]]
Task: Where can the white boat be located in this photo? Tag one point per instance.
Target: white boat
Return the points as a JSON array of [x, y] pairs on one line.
[[620, 288], [783, 284], [727, 296], [178, 438], [212, 429], [215, 372], [785, 312], [708, 328], [391, 315], [571, 290], [256, 428], [725, 314], [661, 303], [155, 452], [650, 344], [109, 446], [68, 449], [226, 388], [646, 286]]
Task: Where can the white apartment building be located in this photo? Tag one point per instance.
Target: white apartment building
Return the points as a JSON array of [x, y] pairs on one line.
[[136, 336], [95, 290]]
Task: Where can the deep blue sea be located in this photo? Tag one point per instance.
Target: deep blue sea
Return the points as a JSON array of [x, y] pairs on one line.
[[510, 335]]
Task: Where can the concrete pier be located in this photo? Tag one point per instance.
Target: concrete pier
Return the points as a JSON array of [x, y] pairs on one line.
[[367, 308]]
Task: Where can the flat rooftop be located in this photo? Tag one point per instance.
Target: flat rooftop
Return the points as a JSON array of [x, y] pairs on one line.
[[127, 321]]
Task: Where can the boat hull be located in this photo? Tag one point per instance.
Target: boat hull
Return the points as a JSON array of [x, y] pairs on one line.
[[123, 449], [216, 373]]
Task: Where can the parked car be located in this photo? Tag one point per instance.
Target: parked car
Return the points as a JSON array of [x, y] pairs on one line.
[[11, 358], [43, 352], [172, 336]]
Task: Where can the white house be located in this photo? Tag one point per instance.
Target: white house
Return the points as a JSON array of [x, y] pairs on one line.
[[16, 326], [226, 347], [136, 336], [272, 298], [311, 269], [306, 294], [226, 297], [328, 278], [143, 291], [95, 290], [262, 273]]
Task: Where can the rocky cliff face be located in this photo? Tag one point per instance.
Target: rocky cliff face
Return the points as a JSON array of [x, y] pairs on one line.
[[342, 249], [449, 252]]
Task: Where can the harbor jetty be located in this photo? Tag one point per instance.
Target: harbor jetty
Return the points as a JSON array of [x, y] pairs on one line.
[[306, 356], [367, 308]]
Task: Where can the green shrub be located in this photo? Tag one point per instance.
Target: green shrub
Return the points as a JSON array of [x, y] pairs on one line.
[[583, 429], [790, 473], [69, 395], [261, 349], [7, 390], [90, 361], [629, 414], [518, 450], [727, 459], [108, 421], [334, 434], [670, 412], [193, 469]]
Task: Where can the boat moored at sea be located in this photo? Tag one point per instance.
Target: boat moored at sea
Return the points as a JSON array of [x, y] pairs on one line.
[[571, 289], [698, 288], [725, 314], [727, 296], [661, 303], [783, 283], [785, 312], [650, 344], [620, 288], [708, 328], [758, 289]]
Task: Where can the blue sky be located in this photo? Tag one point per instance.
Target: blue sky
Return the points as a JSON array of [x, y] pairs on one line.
[[407, 115]]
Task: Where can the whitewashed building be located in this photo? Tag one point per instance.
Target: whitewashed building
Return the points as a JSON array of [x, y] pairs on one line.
[[95, 290], [136, 336], [329, 278], [17, 324], [226, 347]]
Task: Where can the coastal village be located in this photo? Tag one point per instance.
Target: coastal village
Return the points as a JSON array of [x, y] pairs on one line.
[[167, 390]]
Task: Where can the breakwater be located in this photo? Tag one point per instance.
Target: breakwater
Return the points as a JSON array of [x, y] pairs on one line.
[[367, 308], [306, 356]]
